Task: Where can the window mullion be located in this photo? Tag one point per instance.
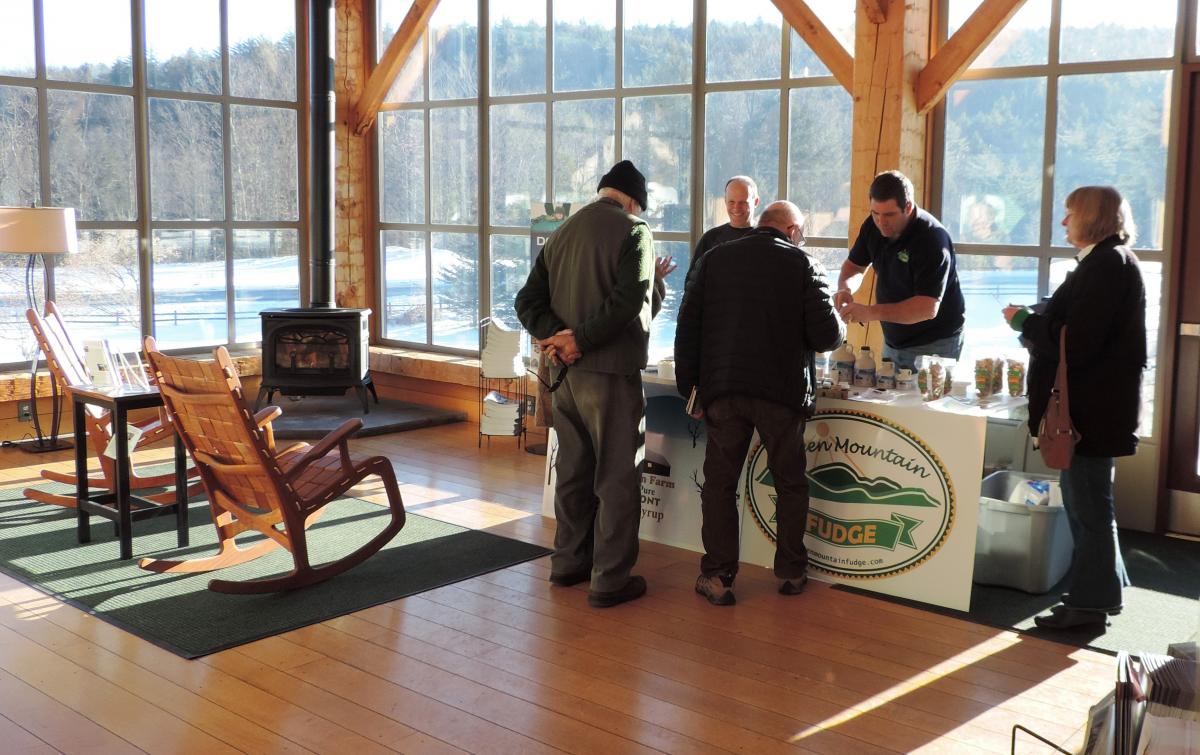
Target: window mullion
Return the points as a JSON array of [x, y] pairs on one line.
[[1049, 146], [483, 108], [141, 158]]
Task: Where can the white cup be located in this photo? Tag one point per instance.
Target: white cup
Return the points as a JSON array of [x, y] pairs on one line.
[[666, 369]]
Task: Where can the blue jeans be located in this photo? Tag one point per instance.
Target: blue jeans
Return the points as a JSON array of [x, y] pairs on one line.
[[950, 346], [1097, 569]]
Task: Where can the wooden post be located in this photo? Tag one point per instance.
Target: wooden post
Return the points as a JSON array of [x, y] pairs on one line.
[[889, 133], [354, 238]]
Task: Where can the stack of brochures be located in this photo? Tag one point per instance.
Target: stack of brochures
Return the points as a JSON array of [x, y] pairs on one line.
[[1172, 719], [501, 415], [500, 353]]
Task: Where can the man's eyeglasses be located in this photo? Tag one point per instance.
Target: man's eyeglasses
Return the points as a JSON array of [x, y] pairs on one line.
[[558, 381], [798, 239]]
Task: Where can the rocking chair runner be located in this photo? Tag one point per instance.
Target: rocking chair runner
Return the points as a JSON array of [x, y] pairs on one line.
[[251, 485], [67, 369]]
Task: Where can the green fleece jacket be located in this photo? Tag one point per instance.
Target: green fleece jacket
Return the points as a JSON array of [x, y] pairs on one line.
[[594, 276]]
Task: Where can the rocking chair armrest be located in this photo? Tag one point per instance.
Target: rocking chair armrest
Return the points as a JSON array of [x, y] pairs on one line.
[[263, 418], [267, 415], [338, 437]]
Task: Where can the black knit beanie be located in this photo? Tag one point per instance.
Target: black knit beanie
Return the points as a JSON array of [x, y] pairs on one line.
[[624, 177]]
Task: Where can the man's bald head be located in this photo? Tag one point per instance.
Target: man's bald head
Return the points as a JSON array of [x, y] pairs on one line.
[[786, 218]]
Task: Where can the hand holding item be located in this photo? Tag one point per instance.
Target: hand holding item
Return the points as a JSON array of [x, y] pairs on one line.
[[841, 298], [855, 312], [1011, 310], [664, 266], [562, 347]]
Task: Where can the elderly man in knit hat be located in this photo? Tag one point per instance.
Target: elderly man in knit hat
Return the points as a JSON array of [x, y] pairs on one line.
[[588, 302]]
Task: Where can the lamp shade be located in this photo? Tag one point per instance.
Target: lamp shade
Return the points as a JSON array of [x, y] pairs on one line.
[[38, 230]]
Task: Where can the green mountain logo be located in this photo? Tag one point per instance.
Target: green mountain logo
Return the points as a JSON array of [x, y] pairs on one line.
[[837, 481]]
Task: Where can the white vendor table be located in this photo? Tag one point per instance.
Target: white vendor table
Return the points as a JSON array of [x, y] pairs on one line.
[[894, 488]]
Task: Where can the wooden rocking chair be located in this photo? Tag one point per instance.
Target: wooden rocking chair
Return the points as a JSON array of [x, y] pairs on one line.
[[251, 485], [67, 368]]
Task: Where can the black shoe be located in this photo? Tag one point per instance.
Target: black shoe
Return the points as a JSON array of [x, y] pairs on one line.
[[1065, 598], [718, 589], [571, 578], [793, 586], [633, 589], [1064, 617]]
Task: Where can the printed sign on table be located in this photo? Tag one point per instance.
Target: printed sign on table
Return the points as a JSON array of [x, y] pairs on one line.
[[894, 498]]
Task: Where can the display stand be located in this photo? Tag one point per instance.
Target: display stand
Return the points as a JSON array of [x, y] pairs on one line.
[[1154, 707], [503, 384]]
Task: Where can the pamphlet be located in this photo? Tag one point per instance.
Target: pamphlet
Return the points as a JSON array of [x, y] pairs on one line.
[[98, 360], [133, 434]]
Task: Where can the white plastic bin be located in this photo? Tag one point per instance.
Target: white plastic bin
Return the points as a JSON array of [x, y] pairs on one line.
[[1017, 545]]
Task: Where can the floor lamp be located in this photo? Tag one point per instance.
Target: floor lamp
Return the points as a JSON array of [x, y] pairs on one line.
[[37, 231]]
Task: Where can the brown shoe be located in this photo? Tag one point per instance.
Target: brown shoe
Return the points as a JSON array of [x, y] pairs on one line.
[[718, 589], [633, 589], [793, 586]]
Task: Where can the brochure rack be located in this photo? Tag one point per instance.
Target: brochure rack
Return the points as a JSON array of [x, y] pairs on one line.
[[503, 385]]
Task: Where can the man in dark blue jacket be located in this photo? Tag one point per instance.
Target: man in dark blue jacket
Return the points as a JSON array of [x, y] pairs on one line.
[[918, 300], [753, 313]]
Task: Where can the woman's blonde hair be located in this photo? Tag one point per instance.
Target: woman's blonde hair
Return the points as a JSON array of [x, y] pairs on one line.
[[1102, 212]]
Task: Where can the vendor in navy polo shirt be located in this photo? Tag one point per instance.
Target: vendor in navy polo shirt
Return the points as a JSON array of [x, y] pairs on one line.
[[918, 299]]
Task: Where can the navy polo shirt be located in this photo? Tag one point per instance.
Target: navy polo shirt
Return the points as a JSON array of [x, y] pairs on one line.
[[919, 263]]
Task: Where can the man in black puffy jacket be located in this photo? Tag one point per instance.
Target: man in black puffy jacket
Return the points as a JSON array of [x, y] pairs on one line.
[[753, 313]]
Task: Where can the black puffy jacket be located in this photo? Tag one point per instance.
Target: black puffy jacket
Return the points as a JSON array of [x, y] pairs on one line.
[[1103, 306], [754, 311]]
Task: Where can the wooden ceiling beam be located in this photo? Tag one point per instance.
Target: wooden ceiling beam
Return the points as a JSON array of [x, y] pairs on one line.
[[380, 81], [817, 35], [960, 50]]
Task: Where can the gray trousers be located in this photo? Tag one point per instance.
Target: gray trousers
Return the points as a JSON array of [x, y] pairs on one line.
[[600, 420]]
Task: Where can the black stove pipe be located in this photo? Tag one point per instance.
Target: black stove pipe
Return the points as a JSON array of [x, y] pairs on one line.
[[322, 128]]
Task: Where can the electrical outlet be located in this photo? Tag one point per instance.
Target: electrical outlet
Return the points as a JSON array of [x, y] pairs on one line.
[[530, 404], [25, 411]]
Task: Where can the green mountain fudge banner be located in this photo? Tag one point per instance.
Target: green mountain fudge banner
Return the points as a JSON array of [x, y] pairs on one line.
[[893, 500], [894, 494]]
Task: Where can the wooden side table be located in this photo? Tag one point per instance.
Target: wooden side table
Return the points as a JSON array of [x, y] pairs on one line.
[[120, 505]]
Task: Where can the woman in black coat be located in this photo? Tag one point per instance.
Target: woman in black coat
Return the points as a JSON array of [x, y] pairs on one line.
[[1102, 304]]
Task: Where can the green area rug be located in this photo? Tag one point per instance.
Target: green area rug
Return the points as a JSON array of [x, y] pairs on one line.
[[178, 612], [1162, 606]]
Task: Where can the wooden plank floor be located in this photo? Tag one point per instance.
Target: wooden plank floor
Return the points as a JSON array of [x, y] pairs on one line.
[[505, 663]]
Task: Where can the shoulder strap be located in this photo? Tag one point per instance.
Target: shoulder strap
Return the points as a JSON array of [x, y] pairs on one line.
[[1060, 376]]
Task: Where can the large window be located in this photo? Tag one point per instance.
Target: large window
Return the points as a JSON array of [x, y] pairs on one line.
[[171, 128], [1069, 93], [566, 94]]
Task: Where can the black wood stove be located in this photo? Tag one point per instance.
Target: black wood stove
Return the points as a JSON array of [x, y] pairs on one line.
[[321, 349], [315, 352]]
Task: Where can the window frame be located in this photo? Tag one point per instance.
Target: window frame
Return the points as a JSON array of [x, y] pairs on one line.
[[1050, 246], [143, 225], [696, 89]]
